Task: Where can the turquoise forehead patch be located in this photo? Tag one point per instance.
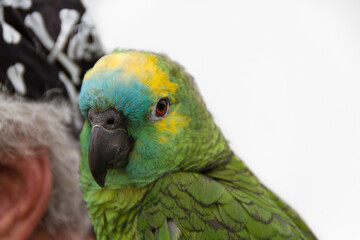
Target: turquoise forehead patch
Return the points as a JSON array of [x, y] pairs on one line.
[[123, 92]]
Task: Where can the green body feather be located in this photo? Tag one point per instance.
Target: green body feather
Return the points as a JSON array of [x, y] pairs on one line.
[[188, 186]]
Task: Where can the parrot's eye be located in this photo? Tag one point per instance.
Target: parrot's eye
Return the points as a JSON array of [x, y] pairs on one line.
[[160, 109]]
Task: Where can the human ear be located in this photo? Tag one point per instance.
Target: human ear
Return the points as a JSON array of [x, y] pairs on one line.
[[25, 186]]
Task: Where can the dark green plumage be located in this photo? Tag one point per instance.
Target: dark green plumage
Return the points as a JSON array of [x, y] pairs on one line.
[[182, 180], [225, 203]]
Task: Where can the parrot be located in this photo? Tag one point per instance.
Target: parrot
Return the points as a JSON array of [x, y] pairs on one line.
[[154, 165]]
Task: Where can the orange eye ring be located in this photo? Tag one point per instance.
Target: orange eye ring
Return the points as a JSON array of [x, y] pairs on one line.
[[162, 107]]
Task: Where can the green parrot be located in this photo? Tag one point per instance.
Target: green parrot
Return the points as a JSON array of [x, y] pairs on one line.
[[155, 165]]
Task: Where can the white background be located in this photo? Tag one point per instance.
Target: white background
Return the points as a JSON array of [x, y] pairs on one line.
[[282, 79]]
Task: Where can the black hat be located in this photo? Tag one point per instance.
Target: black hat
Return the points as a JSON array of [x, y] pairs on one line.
[[46, 47]]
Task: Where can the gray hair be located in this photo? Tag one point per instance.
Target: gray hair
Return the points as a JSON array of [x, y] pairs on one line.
[[36, 124]]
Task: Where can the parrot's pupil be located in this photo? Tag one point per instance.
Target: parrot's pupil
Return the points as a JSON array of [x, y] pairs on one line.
[[161, 106]]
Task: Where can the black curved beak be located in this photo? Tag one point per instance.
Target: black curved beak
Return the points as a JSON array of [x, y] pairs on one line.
[[108, 148]]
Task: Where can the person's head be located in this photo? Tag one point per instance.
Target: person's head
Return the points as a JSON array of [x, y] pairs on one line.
[[39, 182], [45, 50]]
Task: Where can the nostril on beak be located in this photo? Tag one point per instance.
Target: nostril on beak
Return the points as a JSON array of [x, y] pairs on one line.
[[109, 119]]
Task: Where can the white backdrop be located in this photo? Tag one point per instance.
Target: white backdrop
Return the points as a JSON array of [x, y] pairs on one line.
[[282, 79]]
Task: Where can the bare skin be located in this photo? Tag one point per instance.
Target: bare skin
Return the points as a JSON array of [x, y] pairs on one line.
[[26, 183]]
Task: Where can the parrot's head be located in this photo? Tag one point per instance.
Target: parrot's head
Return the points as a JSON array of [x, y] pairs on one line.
[[144, 119]]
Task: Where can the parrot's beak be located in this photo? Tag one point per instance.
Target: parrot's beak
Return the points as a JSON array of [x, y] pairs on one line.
[[108, 148]]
